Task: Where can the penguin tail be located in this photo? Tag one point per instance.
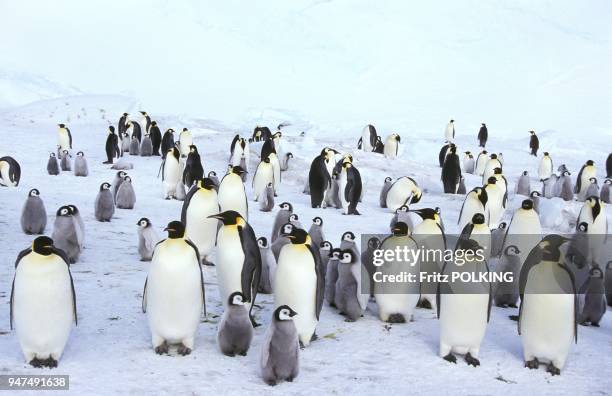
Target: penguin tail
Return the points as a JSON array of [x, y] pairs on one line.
[[396, 318]]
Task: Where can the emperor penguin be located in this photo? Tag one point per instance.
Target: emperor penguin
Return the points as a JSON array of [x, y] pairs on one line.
[[384, 191], [495, 201], [232, 194], [212, 175], [451, 172], [497, 239], [550, 185], [325, 249], [449, 131], [396, 301], [104, 207], [134, 146], [593, 213], [33, 214], [608, 278], [268, 266], [566, 191], [239, 151], [235, 329], [64, 137], [478, 231], [319, 176], [125, 143], [174, 295], [52, 165], [80, 224], [126, 197], [523, 185], [134, 130], [119, 176], [489, 169], [300, 282], [284, 161], [280, 350], [535, 197], [545, 169], [156, 137], [167, 142], [121, 125], [481, 162], [331, 276], [392, 145], [587, 172], [266, 201], [316, 231], [367, 142], [367, 260], [295, 220], [42, 297], [282, 217], [146, 146], [350, 299], [524, 230], [185, 142], [429, 234], [112, 145], [534, 143], [404, 191], [171, 173], [145, 121], [80, 165], [264, 174], [66, 162], [201, 201], [282, 239], [194, 170], [261, 134], [604, 194], [379, 148], [476, 201], [65, 234], [238, 259], [595, 298], [593, 189], [444, 151], [468, 163], [609, 166], [507, 292], [483, 135], [147, 239], [350, 188], [548, 311], [402, 214]]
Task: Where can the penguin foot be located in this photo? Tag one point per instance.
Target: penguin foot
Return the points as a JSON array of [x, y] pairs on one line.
[[289, 379], [472, 361], [584, 323], [349, 320], [271, 382], [425, 304], [50, 362], [501, 305], [36, 362], [242, 353], [314, 337], [333, 305], [553, 370], [162, 349], [254, 323], [532, 364], [302, 346], [595, 324], [514, 317], [513, 305], [208, 263], [183, 350], [107, 162], [450, 358], [396, 318]]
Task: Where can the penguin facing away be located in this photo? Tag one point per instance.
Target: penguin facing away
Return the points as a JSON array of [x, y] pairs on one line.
[[193, 167], [280, 350], [147, 239], [232, 194], [483, 135], [319, 177], [64, 137], [331, 276], [104, 207], [391, 148], [235, 330], [451, 172], [111, 146], [156, 137], [52, 165], [534, 143], [33, 214], [523, 185], [80, 165]]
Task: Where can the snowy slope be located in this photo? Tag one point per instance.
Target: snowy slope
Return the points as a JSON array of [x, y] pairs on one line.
[[110, 350]]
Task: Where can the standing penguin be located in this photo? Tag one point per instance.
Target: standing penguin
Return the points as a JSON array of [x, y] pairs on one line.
[[348, 297], [80, 165], [300, 282], [319, 177], [534, 143], [174, 296], [604, 194], [134, 146], [367, 141], [350, 188], [201, 202], [64, 137], [117, 182], [498, 235], [443, 152], [156, 137], [331, 276], [535, 197], [65, 162], [185, 142], [404, 191], [65, 234], [481, 162], [42, 297], [52, 165], [125, 143], [593, 189], [126, 197], [495, 201], [268, 266], [266, 200], [146, 146], [524, 230], [284, 163], [171, 173], [316, 231], [238, 258], [483, 135], [235, 329], [232, 194], [280, 350], [507, 293], [449, 131], [451, 172], [193, 167], [264, 175], [523, 184], [33, 214], [112, 146], [79, 223], [147, 239], [105, 204], [595, 298], [548, 312], [563, 187], [587, 172], [282, 217], [384, 191], [608, 279], [545, 169], [239, 152], [122, 124], [392, 145], [167, 142], [468, 163], [325, 248], [136, 132], [145, 121], [476, 201]]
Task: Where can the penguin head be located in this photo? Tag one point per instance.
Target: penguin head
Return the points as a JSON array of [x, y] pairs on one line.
[[532, 132], [478, 218], [206, 184], [34, 193], [289, 155], [144, 113], [326, 245], [170, 131], [527, 204], [388, 179], [318, 221], [493, 156], [121, 174], [185, 130], [80, 154], [535, 193], [348, 236], [111, 129], [175, 229], [299, 237], [335, 253], [237, 170], [416, 195], [125, 114], [52, 155], [61, 126], [229, 218], [608, 182], [596, 272], [294, 217], [546, 154], [590, 163], [43, 245], [491, 180], [66, 153], [262, 242], [193, 149], [550, 247], [153, 123], [397, 137], [583, 227], [497, 171], [270, 186], [402, 209], [373, 243], [73, 209], [284, 312], [143, 222], [469, 154], [452, 121], [64, 211], [236, 298], [212, 174], [286, 229], [524, 173], [453, 149], [347, 256], [266, 160], [400, 229], [511, 250], [286, 206], [427, 214], [502, 225], [127, 179], [484, 152]]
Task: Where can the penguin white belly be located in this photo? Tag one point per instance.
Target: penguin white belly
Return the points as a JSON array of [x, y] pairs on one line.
[[63, 140], [185, 140], [448, 133], [365, 139], [237, 155], [470, 208], [5, 178], [277, 171], [495, 204], [545, 169], [341, 190], [263, 176], [174, 293], [172, 175], [230, 258], [480, 164], [42, 306], [463, 321], [295, 285], [399, 193], [525, 232], [232, 195], [390, 149], [201, 230]]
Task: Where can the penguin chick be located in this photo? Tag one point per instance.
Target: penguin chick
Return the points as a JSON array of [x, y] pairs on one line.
[[147, 239], [316, 231], [523, 186], [268, 266], [126, 197], [604, 194], [383, 192], [53, 167], [134, 146], [507, 293], [104, 205], [497, 239], [235, 330], [331, 276], [66, 163], [266, 199], [117, 182], [146, 146], [592, 189], [280, 350], [348, 298], [33, 214], [595, 298], [80, 165], [65, 234]]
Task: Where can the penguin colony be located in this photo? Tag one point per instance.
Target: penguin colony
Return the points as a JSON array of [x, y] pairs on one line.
[[302, 269]]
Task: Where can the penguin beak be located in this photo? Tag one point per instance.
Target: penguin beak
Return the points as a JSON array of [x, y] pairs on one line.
[[293, 313], [291, 237], [218, 217]]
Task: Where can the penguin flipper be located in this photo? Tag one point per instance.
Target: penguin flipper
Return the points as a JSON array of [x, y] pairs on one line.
[[64, 257], [251, 267], [144, 296], [186, 201], [320, 280], [197, 253]]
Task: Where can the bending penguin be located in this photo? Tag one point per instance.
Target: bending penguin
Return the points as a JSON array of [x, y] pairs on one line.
[[367, 141], [10, 172], [476, 201], [483, 135], [451, 172], [391, 148], [404, 191]]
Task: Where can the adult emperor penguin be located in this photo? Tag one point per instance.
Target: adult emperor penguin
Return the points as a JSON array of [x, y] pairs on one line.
[[167, 142], [319, 176], [392, 145], [33, 214], [64, 137], [201, 201], [478, 231], [280, 350], [261, 134], [396, 301], [608, 278], [469, 164], [476, 201], [146, 146], [194, 170], [145, 121], [238, 258], [604, 193], [134, 131], [174, 296], [451, 172], [235, 329], [384, 191], [545, 169], [126, 197], [490, 166], [523, 184], [105, 203], [548, 311], [268, 266], [481, 161], [66, 233], [595, 298], [42, 297], [449, 131], [350, 188], [264, 174], [443, 152], [147, 239], [404, 191], [112, 146], [495, 202], [349, 297], [300, 283], [582, 181], [483, 135], [524, 230], [122, 124], [171, 172], [534, 143], [367, 142], [80, 165], [232, 194], [239, 151], [65, 162], [316, 231], [156, 137], [185, 142], [52, 165], [507, 292]]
